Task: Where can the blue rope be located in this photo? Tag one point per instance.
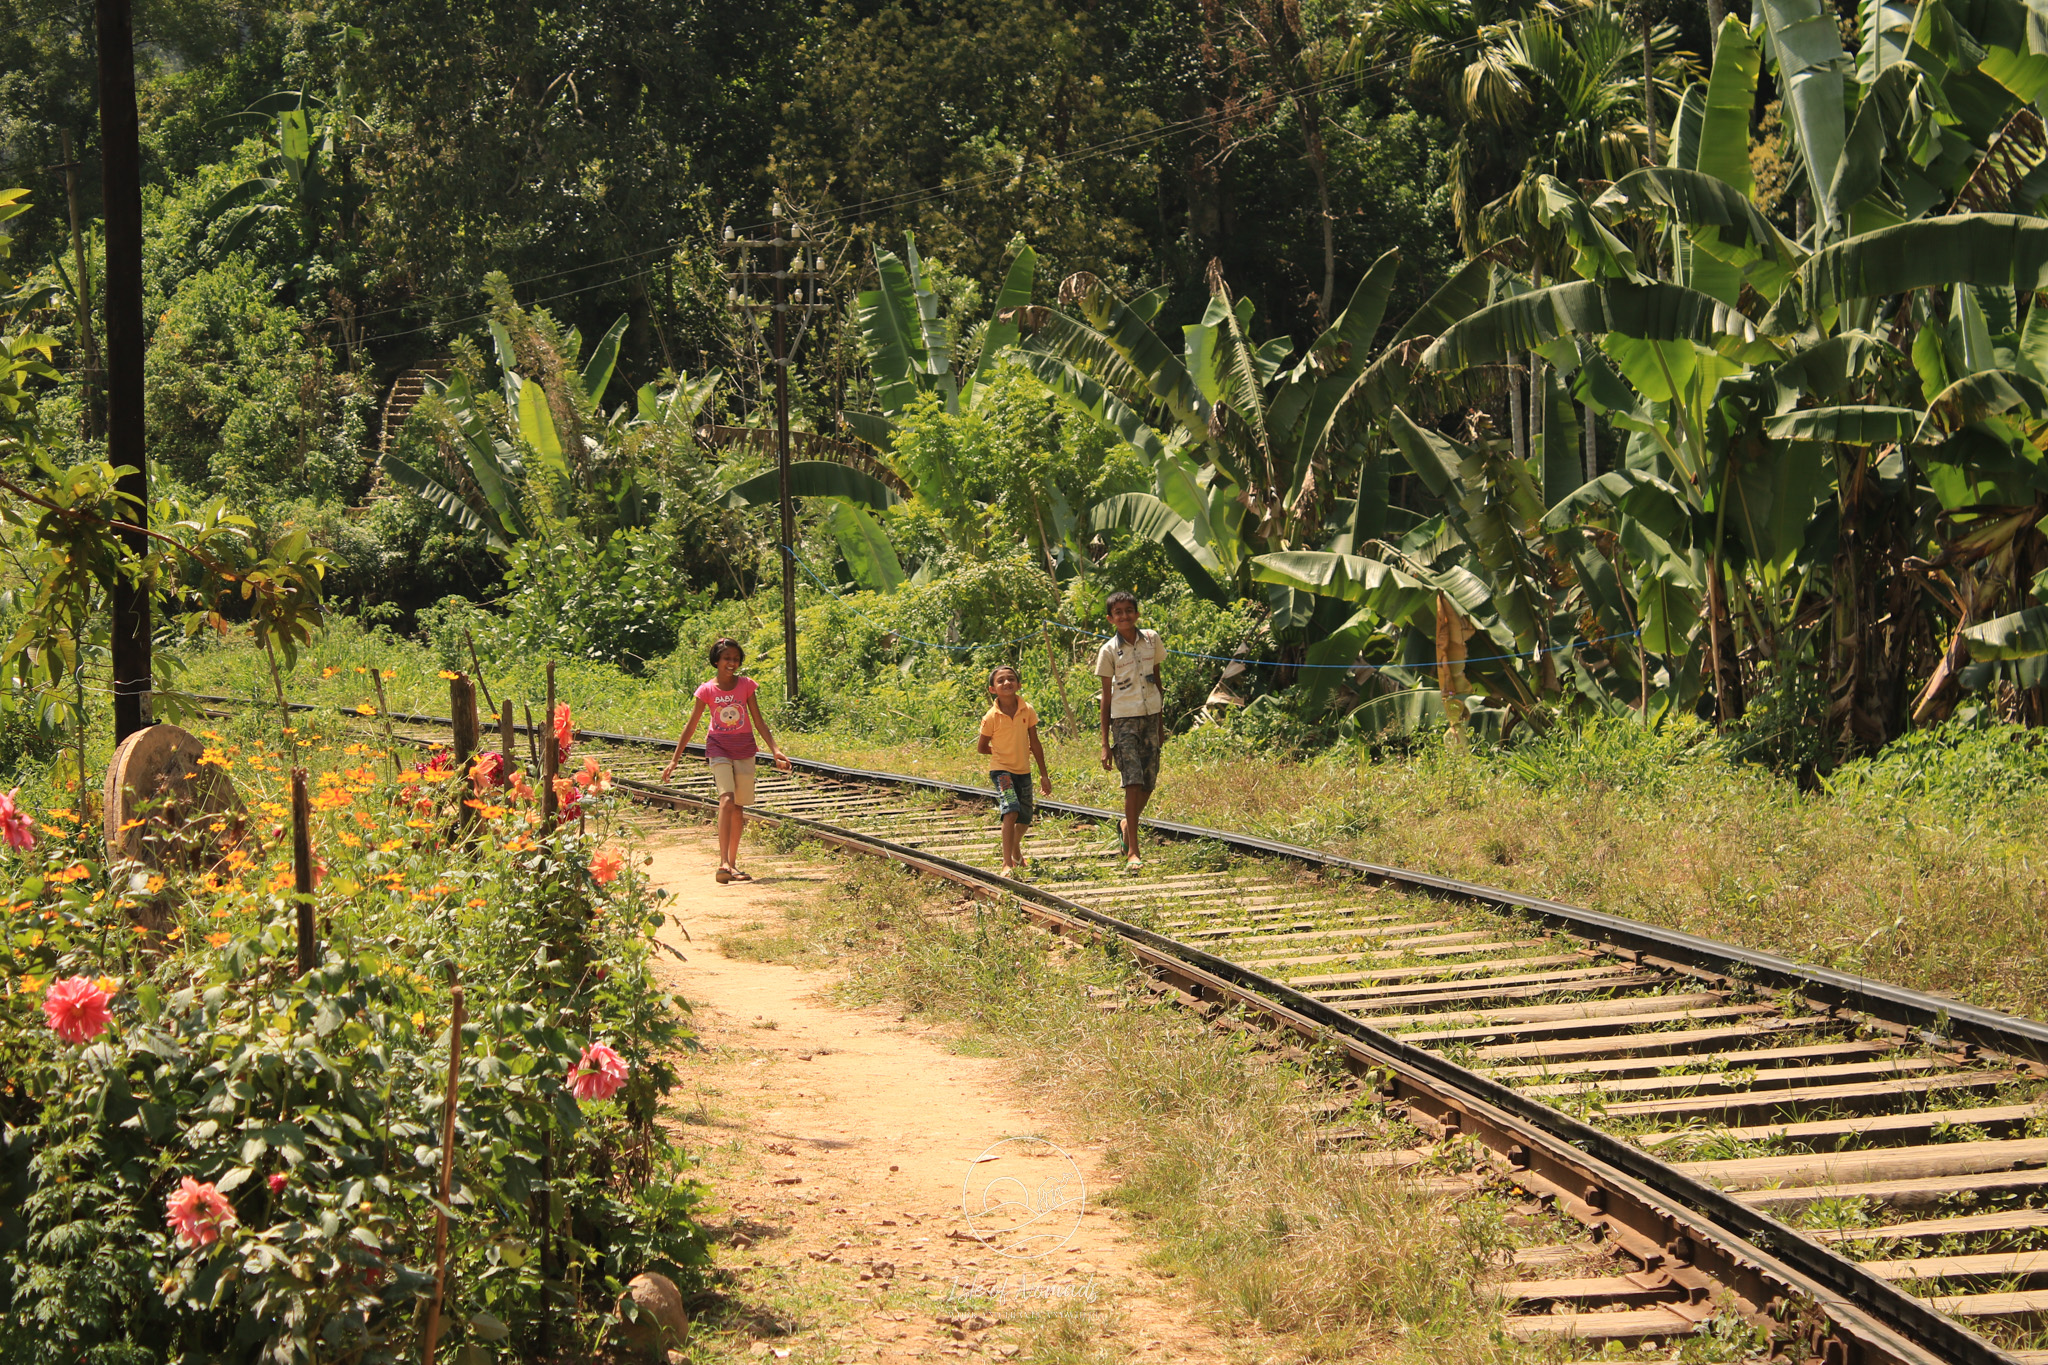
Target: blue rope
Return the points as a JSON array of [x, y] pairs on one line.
[[825, 588]]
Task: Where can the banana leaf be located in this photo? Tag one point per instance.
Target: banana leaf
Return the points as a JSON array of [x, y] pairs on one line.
[[2021, 635], [1806, 48], [865, 547], [1978, 396], [447, 501], [1654, 312], [597, 371], [1151, 519], [813, 479], [1962, 248], [1855, 425], [537, 427], [1000, 334]]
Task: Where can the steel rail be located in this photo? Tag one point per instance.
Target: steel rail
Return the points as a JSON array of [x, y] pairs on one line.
[[1585, 1168]]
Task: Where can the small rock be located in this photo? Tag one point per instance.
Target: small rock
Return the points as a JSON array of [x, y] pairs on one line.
[[789, 1180], [657, 1321]]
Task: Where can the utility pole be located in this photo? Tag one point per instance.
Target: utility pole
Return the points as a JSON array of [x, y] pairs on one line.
[[121, 188], [88, 350], [809, 297]]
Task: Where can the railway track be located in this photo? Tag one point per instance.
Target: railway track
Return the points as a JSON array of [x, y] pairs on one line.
[[1861, 1169]]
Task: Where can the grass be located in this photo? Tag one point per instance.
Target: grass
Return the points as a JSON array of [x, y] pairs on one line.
[[1212, 1139], [1923, 868]]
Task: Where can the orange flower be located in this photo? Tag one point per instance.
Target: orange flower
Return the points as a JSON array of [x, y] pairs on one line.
[[220, 940], [605, 866]]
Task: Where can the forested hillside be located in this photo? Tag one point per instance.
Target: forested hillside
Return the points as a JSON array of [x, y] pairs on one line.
[[1437, 362]]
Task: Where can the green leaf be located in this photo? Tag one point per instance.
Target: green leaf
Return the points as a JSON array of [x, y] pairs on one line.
[[1731, 96], [886, 322], [2025, 74], [446, 501], [1978, 396], [865, 547], [597, 373], [2021, 635], [1806, 49], [813, 479], [537, 427], [1526, 322], [1000, 335], [1855, 425], [1962, 248]]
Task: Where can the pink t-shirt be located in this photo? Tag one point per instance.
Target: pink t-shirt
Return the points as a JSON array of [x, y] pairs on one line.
[[732, 729]]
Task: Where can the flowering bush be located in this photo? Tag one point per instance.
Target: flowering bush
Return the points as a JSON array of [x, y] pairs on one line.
[[212, 1159]]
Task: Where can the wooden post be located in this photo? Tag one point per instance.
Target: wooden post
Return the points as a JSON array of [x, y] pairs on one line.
[[121, 210], [532, 742], [455, 1022], [462, 711], [550, 758], [1450, 664], [478, 670], [505, 737], [302, 873], [90, 351], [384, 711]]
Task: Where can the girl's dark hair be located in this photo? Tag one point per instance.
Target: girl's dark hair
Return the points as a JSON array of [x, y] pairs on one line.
[[722, 644], [1004, 668], [1120, 595]]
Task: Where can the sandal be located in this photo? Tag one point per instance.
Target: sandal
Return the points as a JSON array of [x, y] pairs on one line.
[[724, 875], [740, 876]]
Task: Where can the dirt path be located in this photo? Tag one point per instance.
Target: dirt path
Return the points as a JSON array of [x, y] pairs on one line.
[[837, 1142]]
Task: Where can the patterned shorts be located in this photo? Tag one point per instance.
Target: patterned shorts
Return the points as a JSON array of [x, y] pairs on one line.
[[1013, 795], [1134, 742]]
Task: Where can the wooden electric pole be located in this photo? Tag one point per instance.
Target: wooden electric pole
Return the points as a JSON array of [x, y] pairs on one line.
[[121, 191], [808, 297]]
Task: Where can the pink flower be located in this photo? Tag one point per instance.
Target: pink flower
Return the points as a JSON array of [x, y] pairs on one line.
[[197, 1213], [598, 1074], [277, 1182], [604, 868], [16, 827], [567, 795], [565, 733], [76, 1009]]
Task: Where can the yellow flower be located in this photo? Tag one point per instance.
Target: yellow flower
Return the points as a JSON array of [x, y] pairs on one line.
[[329, 671], [63, 813], [282, 881], [447, 676], [351, 841], [361, 669], [74, 873], [391, 845], [389, 674], [218, 914], [31, 985], [419, 1019], [362, 709], [476, 902], [155, 884]]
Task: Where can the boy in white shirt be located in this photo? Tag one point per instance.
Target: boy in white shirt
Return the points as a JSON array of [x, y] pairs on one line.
[[1133, 711]]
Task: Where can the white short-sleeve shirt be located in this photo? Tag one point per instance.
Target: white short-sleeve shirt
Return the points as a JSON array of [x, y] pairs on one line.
[[1129, 668]]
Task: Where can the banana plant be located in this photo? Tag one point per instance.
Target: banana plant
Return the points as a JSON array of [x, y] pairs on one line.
[[910, 347], [544, 447], [1248, 453]]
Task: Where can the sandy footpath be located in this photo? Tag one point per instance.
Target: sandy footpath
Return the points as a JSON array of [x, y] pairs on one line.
[[837, 1142]]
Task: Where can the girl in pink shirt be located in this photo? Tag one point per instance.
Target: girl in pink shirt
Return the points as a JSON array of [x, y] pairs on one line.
[[729, 749]]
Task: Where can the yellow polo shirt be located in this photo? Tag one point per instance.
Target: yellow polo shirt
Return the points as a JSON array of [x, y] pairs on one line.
[[1009, 737]]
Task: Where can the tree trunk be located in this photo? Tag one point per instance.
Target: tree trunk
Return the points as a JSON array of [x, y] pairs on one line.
[[1592, 442], [1518, 427]]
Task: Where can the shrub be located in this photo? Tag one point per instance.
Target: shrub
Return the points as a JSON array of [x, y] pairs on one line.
[[312, 1105]]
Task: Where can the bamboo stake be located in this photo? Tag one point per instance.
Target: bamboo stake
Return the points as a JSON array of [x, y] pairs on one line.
[[462, 711], [532, 741], [505, 736], [447, 1175], [302, 874]]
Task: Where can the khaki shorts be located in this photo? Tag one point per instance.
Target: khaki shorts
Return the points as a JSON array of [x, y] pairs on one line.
[[734, 777]]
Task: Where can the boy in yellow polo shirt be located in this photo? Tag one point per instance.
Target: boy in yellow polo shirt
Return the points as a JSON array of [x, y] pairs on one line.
[[1009, 736]]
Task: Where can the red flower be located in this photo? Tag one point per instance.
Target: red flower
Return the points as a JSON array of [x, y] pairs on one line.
[[198, 1213], [567, 795], [565, 734], [599, 1073], [76, 1009], [593, 778], [278, 1182], [604, 868], [487, 772], [15, 827]]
